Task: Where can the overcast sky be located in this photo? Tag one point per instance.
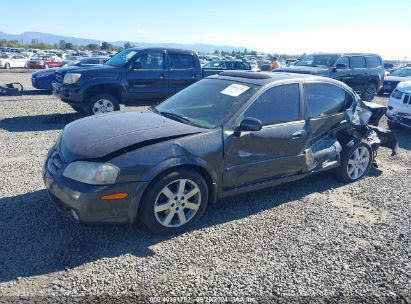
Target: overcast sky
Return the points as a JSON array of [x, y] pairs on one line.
[[290, 26]]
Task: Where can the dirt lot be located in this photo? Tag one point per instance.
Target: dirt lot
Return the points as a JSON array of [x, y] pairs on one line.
[[297, 242]]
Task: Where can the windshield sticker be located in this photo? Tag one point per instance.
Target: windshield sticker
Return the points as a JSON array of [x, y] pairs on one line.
[[235, 90]]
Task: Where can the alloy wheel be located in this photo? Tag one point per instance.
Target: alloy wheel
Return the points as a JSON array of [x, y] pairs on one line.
[[103, 106], [358, 163], [177, 203]]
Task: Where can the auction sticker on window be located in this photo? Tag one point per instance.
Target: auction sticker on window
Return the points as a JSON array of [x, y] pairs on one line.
[[235, 90]]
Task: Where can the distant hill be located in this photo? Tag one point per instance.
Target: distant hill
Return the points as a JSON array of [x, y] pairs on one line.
[[27, 37]]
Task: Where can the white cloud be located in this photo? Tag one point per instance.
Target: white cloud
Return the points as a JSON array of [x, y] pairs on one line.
[[391, 43]]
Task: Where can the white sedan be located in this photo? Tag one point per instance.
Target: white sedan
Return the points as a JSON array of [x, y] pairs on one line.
[[399, 105], [8, 61]]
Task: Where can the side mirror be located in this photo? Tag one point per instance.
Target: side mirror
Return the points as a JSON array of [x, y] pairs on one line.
[[250, 124], [136, 66]]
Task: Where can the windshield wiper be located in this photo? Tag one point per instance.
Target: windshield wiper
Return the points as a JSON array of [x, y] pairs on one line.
[[175, 117]]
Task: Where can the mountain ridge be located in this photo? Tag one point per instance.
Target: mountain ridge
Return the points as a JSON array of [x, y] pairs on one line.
[[27, 37]]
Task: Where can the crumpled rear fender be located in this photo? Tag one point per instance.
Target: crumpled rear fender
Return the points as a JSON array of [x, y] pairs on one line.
[[387, 138]]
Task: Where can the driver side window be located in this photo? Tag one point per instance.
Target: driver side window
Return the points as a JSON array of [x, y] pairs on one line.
[[151, 61], [343, 60]]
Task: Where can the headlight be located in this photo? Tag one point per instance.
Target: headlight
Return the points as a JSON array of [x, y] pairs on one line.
[[92, 173], [397, 94], [71, 78]]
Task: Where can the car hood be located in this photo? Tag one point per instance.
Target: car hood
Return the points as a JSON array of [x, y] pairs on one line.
[[404, 86], [44, 73], [303, 70], [106, 136], [396, 78], [103, 70]]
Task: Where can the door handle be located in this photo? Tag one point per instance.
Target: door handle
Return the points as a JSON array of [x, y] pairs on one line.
[[298, 134], [162, 76]]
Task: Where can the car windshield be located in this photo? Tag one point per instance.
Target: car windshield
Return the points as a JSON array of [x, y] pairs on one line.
[[318, 61], [206, 103], [43, 57], [122, 58], [71, 63], [402, 73], [214, 64]]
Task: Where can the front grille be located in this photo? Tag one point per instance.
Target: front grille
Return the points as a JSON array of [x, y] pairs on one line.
[[407, 99], [54, 163]]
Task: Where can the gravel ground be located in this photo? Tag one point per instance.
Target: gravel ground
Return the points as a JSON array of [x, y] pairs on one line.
[[310, 239]]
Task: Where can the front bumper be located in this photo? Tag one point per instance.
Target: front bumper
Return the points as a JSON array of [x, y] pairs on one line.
[[399, 112], [82, 202], [70, 94], [36, 66], [41, 83]]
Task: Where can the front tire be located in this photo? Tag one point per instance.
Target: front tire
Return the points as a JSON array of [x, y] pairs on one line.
[[174, 202], [369, 92], [7, 66], [355, 162], [102, 103]]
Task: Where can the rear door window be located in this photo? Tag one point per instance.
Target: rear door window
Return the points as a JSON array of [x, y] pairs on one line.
[[357, 62], [373, 62], [181, 61], [279, 104], [323, 99]]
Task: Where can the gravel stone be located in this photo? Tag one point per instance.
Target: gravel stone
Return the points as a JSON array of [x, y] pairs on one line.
[[307, 240]]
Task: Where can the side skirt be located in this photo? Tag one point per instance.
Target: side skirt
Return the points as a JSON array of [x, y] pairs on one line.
[[278, 181]]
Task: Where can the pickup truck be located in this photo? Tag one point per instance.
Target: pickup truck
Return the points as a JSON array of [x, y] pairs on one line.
[[134, 76]]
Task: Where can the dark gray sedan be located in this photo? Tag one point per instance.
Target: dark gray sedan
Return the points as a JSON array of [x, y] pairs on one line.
[[224, 135]]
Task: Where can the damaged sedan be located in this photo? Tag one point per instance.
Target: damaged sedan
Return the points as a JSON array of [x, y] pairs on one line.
[[224, 135]]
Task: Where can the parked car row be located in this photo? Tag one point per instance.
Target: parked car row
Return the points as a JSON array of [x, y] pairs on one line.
[[43, 79]]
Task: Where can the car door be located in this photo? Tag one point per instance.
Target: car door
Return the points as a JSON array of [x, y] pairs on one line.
[[146, 79], [325, 105], [359, 73], [342, 70], [183, 70], [274, 151]]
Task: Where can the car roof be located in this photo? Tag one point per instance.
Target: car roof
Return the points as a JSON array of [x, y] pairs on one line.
[[162, 49], [263, 78], [346, 54]]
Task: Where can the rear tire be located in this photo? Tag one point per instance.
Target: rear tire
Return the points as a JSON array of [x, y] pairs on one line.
[[355, 161], [369, 92], [174, 202], [102, 103]]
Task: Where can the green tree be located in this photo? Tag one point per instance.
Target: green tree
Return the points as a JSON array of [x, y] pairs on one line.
[[105, 45], [93, 46], [62, 45], [128, 45]]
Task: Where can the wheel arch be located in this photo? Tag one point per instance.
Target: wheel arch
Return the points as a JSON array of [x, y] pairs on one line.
[[104, 88], [206, 174]]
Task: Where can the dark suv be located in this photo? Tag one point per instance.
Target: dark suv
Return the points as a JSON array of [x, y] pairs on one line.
[[362, 72]]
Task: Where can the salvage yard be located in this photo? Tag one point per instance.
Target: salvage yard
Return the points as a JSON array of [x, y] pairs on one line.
[[312, 238]]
